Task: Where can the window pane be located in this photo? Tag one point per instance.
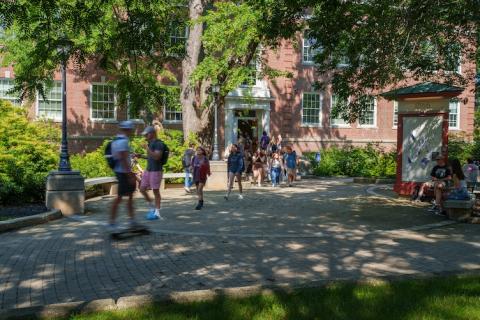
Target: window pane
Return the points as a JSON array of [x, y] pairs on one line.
[[454, 108], [338, 121], [51, 108], [367, 118], [5, 86], [103, 101], [311, 108]]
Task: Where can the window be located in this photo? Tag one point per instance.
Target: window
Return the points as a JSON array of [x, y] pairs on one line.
[[178, 33], [454, 111], [309, 48], [395, 114], [173, 114], [368, 117], [453, 59], [103, 102], [51, 108], [5, 86], [311, 109], [338, 121], [252, 74]]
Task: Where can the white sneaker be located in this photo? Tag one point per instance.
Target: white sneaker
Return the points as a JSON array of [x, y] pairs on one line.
[[187, 190], [240, 197]]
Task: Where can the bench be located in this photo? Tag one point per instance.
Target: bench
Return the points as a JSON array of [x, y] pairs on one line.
[[459, 210], [109, 184]]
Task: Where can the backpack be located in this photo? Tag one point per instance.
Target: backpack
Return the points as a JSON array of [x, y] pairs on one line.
[[165, 153], [111, 161]]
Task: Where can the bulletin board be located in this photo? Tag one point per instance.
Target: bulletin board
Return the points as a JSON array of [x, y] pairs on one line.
[[422, 142]]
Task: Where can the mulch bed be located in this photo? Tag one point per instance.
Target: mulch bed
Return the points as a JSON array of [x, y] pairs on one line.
[[12, 212]]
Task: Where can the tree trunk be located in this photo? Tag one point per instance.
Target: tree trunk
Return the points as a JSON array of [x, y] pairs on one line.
[[195, 118]]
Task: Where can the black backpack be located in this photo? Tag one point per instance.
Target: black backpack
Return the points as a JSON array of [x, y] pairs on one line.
[[165, 153], [108, 154]]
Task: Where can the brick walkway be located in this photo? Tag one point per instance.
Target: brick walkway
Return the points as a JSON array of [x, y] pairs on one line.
[[319, 230]]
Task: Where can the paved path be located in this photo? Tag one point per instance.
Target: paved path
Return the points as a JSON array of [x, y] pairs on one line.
[[318, 230]]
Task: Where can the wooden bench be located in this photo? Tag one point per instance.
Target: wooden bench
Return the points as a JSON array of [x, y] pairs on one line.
[[459, 210]]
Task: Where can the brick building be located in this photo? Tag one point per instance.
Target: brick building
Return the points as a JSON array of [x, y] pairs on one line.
[[287, 106]]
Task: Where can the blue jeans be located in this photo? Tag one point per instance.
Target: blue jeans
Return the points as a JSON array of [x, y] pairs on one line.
[[188, 181], [276, 175]]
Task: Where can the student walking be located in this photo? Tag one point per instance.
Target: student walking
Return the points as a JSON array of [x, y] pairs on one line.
[[122, 160], [276, 169], [291, 162], [259, 163], [187, 162], [156, 156], [201, 170], [264, 141], [235, 167]]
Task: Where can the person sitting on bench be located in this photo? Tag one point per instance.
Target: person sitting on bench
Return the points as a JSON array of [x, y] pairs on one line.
[[441, 176]]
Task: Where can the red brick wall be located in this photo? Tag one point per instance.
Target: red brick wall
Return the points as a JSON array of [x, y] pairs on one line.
[[86, 135]]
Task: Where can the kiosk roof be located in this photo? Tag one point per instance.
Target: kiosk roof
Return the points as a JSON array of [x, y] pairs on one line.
[[425, 89]]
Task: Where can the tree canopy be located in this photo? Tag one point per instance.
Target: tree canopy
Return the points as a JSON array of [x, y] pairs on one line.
[[363, 46], [369, 46]]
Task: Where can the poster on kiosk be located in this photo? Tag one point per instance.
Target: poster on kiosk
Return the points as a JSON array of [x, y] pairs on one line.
[[422, 133]]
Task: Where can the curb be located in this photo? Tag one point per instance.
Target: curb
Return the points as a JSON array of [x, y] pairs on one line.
[[373, 180], [128, 302], [29, 221]]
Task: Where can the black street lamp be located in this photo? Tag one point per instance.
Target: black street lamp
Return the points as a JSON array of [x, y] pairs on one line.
[[64, 165]]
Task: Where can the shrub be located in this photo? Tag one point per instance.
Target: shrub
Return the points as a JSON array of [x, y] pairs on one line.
[[28, 151], [93, 164], [368, 161]]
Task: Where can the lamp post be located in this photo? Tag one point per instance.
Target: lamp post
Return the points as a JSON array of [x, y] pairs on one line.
[[215, 155], [65, 188], [64, 165]]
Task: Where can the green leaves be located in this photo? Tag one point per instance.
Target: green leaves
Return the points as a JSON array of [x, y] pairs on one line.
[[28, 151], [389, 42]]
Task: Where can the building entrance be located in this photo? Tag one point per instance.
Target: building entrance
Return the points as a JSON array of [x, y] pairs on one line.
[[248, 128]]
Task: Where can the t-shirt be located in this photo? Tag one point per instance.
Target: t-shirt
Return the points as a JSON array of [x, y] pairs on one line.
[[187, 157], [291, 160], [152, 164], [471, 172], [121, 143], [440, 172]]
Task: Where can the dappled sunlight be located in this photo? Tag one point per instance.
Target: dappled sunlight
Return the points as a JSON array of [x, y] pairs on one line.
[[293, 235]]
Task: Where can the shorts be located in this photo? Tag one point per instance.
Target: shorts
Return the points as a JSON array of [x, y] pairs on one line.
[[125, 188], [291, 171], [151, 180]]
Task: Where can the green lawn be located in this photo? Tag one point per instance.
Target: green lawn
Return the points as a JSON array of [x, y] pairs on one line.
[[438, 298]]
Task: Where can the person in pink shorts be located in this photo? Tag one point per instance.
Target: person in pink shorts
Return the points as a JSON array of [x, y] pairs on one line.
[[152, 176]]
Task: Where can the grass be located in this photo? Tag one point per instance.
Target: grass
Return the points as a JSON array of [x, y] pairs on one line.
[[436, 298]]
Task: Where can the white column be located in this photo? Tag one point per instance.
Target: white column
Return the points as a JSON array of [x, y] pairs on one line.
[[229, 139], [266, 121]]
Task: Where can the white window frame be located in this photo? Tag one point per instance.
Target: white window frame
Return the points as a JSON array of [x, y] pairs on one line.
[[320, 113], [374, 125], [334, 125], [395, 114], [312, 52], [37, 106], [457, 102], [165, 121], [90, 98], [174, 39], [12, 100]]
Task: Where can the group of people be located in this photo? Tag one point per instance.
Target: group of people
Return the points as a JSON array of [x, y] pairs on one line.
[[271, 160], [156, 154], [449, 181]]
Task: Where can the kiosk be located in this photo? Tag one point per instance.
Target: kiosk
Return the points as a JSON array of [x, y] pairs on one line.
[[422, 132]]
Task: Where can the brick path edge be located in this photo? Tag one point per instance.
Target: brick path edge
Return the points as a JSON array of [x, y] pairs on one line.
[[33, 220], [130, 302]]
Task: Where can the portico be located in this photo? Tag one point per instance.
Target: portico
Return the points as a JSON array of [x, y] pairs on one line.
[[247, 112]]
